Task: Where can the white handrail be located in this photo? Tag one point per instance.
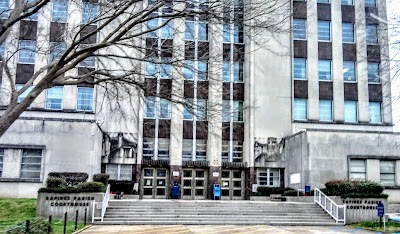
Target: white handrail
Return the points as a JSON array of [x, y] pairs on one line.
[[104, 205], [337, 212]]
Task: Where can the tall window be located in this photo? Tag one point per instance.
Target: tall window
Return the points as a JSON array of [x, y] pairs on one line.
[[372, 34], [57, 50], [89, 12], [195, 68], [85, 99], [300, 69], [370, 3], [325, 110], [300, 109], [373, 73], [54, 98], [349, 71], [31, 163], [148, 148], [150, 107], [348, 2], [375, 112], [201, 150], [323, 1], [165, 32], [1, 161], [161, 70], [25, 93], [26, 53], [196, 30], [324, 30], [119, 171], [60, 11], [237, 69], [163, 148], [268, 177], [4, 8], [237, 33], [187, 149], [165, 109], [226, 111], [388, 172], [350, 111], [358, 169], [299, 29], [201, 109], [237, 111], [348, 32], [33, 17], [325, 69]]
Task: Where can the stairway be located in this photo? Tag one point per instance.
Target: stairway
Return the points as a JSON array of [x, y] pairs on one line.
[[195, 212]]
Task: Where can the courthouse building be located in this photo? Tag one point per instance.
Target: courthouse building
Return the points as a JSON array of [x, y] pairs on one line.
[[303, 107]]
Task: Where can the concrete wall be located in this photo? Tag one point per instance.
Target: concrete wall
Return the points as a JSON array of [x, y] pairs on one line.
[[326, 154], [69, 145], [19, 189], [56, 204]]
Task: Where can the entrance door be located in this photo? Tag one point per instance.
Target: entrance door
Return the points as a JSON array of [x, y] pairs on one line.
[[194, 184], [232, 185], [155, 183]]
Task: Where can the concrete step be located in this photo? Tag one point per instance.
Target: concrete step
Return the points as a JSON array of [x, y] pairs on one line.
[[178, 212]]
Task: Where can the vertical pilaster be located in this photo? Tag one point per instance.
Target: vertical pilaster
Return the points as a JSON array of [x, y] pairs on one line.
[[362, 71], [385, 65], [312, 60], [337, 61]]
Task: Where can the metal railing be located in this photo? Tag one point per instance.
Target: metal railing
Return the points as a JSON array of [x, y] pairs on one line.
[[338, 212], [102, 204]]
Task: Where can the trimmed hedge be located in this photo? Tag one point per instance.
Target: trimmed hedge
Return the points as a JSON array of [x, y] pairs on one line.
[[266, 191], [71, 178], [102, 178], [125, 186], [91, 187], [293, 193], [54, 182], [354, 189], [37, 226]]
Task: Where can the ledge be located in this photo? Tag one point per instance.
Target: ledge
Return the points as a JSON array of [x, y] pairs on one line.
[[18, 180]]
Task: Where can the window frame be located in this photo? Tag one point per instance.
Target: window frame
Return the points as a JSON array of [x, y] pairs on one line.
[[330, 31], [267, 177], [31, 49], [351, 4], [321, 103], [371, 79], [305, 68], [352, 33], [368, 5], [320, 65], [387, 173], [361, 172], [356, 111], [374, 36], [87, 16], [63, 3], [22, 170], [354, 69], [47, 97], [371, 116], [295, 28], [296, 106], [92, 99]]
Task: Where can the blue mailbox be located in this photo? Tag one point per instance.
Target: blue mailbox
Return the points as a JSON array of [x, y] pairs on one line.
[[176, 191], [217, 192]]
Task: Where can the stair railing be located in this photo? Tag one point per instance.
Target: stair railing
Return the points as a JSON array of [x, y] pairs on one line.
[[102, 204], [337, 212]]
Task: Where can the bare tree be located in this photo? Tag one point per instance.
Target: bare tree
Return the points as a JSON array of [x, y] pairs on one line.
[[121, 37]]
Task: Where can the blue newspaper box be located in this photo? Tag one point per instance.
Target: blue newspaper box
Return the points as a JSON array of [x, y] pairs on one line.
[[176, 191], [217, 192]]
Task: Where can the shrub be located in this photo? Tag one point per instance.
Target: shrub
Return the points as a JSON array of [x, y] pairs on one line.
[[102, 178], [125, 186], [266, 191], [71, 178], [354, 188], [91, 187], [54, 182], [37, 226], [293, 193], [68, 189]]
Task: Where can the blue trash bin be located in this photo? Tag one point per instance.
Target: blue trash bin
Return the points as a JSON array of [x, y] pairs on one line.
[[217, 192]]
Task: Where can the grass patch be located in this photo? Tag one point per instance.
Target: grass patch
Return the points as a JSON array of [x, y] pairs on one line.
[[391, 226], [13, 211], [16, 210]]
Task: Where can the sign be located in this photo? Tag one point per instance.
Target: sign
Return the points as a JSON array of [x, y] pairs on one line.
[[136, 187], [215, 174], [295, 178], [254, 188], [381, 209], [307, 189], [175, 173]]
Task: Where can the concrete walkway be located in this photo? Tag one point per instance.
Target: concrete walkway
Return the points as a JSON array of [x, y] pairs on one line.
[[221, 229]]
